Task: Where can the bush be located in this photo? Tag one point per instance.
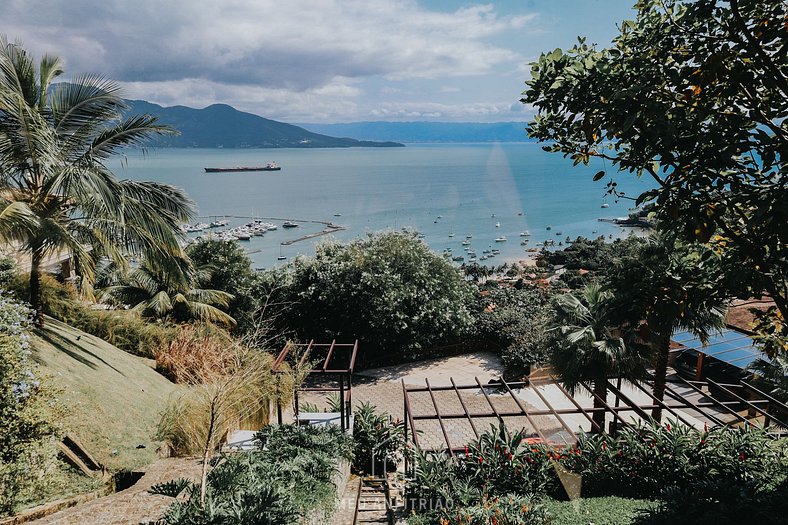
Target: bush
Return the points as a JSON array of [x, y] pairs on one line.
[[722, 503], [651, 458], [388, 290], [502, 462], [515, 322], [287, 478], [223, 266], [379, 441], [26, 411]]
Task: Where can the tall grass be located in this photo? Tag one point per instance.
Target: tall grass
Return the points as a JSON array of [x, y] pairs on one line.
[[229, 383]]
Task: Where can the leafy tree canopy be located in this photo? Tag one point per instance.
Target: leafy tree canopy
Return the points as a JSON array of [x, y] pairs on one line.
[[695, 96], [388, 290]]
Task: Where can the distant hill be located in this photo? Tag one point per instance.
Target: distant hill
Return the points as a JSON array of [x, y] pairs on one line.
[[223, 126], [427, 131]]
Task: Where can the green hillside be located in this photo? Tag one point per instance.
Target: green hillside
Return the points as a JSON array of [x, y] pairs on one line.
[[112, 398], [223, 126]]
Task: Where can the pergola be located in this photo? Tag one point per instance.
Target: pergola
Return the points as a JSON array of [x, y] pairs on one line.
[[332, 361], [444, 418]]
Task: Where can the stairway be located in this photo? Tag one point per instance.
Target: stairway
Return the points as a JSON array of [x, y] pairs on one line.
[[373, 502]]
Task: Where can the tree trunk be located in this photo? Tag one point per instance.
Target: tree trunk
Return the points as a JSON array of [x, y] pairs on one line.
[[600, 389], [35, 287], [660, 373]]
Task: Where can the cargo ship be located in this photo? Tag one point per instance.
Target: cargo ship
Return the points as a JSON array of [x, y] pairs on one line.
[[271, 166]]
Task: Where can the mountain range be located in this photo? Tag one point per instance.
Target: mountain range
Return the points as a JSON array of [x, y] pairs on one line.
[[427, 131], [222, 126]]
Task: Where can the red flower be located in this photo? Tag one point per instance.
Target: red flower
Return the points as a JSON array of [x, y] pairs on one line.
[[481, 460], [604, 446], [667, 425], [511, 456], [742, 456], [466, 450]]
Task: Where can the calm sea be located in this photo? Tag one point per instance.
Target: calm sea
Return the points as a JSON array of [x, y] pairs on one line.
[[471, 187]]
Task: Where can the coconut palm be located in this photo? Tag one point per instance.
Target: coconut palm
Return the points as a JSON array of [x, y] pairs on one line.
[[589, 350], [667, 286], [164, 290], [56, 192]]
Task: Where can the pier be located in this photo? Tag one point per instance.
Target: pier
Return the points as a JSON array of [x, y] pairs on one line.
[[331, 229]]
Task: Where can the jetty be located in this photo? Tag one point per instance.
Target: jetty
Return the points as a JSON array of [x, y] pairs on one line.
[[328, 230]]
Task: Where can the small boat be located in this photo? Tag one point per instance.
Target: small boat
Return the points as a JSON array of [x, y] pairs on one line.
[[281, 258], [458, 258], [337, 215], [218, 224], [451, 235], [243, 236], [500, 239], [289, 224], [272, 227], [549, 227], [497, 224], [435, 221], [469, 236], [271, 166], [559, 233], [466, 243], [526, 233], [520, 214], [605, 205], [440, 216]]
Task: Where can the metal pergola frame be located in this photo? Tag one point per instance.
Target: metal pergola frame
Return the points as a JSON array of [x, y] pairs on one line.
[[771, 410], [325, 355]]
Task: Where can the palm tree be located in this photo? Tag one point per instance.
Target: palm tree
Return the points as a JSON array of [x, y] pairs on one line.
[[56, 192], [589, 350], [666, 286], [164, 290]]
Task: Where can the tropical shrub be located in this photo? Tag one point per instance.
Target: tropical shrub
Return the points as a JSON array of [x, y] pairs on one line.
[[515, 322], [388, 290], [224, 266], [651, 458], [502, 462], [26, 409], [288, 477], [379, 440]]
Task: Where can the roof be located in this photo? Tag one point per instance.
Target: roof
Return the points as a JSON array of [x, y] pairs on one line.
[[728, 346]]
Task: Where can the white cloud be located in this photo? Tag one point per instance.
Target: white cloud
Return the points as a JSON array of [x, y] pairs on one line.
[[297, 44], [299, 60]]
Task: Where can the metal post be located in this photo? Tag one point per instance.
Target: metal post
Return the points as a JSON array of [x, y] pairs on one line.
[[699, 367], [342, 402]]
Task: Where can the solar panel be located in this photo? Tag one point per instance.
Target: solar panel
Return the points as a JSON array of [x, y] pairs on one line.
[[728, 346]]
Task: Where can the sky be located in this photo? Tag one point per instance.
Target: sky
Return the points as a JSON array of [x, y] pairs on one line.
[[319, 61]]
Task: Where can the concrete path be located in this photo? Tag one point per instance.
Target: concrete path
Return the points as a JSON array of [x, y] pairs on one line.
[[131, 506]]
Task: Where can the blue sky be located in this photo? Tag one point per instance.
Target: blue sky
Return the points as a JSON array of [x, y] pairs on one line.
[[316, 60]]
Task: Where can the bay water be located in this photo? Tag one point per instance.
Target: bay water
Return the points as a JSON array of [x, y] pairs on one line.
[[487, 191]]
